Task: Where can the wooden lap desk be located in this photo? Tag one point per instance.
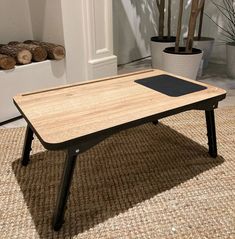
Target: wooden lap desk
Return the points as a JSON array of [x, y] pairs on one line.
[[76, 117]]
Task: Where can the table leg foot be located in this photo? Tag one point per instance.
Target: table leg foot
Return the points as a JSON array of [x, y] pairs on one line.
[[58, 218], [211, 133], [27, 146]]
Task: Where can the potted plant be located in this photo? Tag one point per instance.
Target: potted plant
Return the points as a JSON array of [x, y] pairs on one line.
[[184, 61], [202, 42], [160, 42], [228, 11]]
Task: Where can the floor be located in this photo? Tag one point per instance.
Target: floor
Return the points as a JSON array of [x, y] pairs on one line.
[[215, 74]]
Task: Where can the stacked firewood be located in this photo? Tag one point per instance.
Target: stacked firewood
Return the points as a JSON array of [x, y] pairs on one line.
[[21, 53]]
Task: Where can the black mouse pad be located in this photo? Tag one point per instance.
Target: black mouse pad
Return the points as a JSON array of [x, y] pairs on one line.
[[170, 85]]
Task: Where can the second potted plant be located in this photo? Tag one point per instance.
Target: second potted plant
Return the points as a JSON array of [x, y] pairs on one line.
[[184, 61]]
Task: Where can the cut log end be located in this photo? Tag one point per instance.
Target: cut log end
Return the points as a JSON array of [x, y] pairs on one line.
[[6, 62], [24, 57], [59, 53], [39, 54]]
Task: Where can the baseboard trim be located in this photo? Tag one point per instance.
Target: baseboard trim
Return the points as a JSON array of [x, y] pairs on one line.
[[102, 67], [10, 120]]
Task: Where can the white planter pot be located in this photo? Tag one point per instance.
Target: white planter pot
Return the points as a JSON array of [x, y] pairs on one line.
[[230, 47], [157, 48], [206, 45], [185, 65]]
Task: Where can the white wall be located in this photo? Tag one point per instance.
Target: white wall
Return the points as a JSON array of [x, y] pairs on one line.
[[135, 21], [12, 26], [134, 24], [31, 19]]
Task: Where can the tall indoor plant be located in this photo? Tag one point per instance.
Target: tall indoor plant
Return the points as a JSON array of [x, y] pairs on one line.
[[227, 9], [160, 42], [185, 61]]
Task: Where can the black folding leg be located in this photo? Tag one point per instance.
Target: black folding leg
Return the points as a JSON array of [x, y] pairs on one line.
[[58, 218], [155, 122], [27, 146], [211, 133]]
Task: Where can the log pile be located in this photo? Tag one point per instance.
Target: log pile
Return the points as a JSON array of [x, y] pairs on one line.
[[38, 53], [55, 52], [21, 53]]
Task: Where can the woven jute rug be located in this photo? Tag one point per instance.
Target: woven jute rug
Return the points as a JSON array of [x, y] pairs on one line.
[[145, 182]]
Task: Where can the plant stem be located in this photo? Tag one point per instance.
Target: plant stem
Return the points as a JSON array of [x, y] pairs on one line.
[[169, 19], [195, 9], [161, 8], [201, 22], [177, 42]]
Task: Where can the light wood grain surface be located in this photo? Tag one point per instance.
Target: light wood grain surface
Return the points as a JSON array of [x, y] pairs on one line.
[[69, 112]]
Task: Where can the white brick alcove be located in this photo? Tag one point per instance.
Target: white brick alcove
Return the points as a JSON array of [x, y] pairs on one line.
[[84, 27]]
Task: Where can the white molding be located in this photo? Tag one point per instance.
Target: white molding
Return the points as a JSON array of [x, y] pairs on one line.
[[88, 36], [102, 67], [75, 40], [102, 51], [99, 38]]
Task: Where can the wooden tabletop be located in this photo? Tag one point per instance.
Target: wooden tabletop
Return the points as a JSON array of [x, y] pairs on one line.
[[69, 112]]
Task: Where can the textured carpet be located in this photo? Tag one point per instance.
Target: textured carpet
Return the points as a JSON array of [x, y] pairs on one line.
[[146, 182]]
